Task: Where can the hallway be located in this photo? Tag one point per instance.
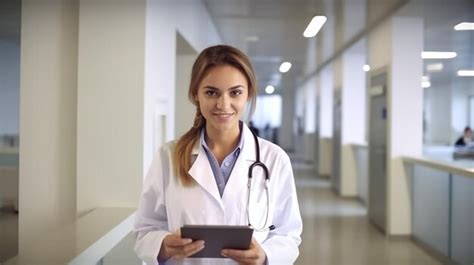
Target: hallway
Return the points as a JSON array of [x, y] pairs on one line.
[[336, 231]]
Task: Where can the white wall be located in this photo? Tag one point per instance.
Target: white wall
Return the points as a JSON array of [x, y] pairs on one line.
[[326, 102], [48, 85], [438, 113], [184, 109], [110, 103], [405, 108], [9, 85], [353, 124], [164, 18]]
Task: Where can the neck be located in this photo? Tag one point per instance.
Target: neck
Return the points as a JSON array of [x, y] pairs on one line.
[[222, 142]]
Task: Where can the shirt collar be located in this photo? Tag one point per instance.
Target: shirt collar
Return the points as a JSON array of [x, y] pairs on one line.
[[203, 143]]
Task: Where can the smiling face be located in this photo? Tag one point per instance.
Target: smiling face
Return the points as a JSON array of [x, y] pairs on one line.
[[222, 96]]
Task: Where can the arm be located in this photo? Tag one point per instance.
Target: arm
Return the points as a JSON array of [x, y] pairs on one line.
[[281, 246]]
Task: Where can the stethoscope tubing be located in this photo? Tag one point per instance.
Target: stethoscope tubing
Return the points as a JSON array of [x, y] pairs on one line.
[[258, 163]]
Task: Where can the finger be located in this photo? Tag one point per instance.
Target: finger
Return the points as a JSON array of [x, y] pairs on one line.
[[193, 248], [239, 255], [175, 241]]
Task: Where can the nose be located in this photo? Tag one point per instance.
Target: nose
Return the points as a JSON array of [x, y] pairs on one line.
[[223, 102]]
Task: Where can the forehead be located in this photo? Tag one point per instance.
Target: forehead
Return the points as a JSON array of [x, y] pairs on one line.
[[224, 76]]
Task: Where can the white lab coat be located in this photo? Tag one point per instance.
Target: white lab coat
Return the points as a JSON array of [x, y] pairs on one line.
[[166, 205]]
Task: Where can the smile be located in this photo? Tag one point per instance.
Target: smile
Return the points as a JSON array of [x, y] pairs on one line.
[[223, 115]]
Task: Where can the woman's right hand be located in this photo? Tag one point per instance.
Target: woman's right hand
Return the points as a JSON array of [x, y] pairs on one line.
[[173, 246]]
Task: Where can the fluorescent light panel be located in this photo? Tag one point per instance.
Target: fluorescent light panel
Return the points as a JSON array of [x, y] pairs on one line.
[[466, 73], [438, 55], [464, 26], [285, 67], [314, 26], [434, 67]]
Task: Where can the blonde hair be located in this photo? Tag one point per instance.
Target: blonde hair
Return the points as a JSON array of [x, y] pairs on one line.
[[208, 59]]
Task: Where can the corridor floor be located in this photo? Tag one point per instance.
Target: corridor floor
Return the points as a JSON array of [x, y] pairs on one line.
[[336, 231]]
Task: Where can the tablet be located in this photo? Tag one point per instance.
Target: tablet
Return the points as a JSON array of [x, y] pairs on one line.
[[217, 238]]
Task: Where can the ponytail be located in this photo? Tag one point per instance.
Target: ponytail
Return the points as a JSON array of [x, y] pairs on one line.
[[184, 148]]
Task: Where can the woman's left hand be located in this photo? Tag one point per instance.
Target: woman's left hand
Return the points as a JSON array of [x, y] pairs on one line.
[[252, 256]]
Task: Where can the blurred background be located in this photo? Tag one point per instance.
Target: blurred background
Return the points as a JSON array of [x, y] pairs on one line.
[[368, 104]]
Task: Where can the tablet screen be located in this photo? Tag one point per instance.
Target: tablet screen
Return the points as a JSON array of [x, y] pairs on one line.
[[217, 238]]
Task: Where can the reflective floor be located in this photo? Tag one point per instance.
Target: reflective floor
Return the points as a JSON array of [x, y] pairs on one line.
[[336, 230]]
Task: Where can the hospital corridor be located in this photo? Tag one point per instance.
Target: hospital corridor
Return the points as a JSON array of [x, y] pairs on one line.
[[276, 132], [338, 231]]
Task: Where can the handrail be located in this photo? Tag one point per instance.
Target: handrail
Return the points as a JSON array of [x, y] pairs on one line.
[[85, 241], [444, 166]]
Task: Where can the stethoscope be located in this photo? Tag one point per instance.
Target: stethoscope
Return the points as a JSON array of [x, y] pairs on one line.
[[266, 184]]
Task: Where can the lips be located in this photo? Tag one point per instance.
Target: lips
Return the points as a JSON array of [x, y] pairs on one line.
[[223, 116]]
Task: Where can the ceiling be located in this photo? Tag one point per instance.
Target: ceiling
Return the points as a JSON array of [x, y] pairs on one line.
[[270, 32]]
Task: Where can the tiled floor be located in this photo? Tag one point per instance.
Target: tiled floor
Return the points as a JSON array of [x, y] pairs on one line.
[[336, 231]]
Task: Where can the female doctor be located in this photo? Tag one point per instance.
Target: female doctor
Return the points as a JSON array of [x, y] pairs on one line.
[[205, 177]]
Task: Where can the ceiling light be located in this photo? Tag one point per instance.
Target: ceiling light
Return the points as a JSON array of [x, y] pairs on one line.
[[314, 26], [466, 73], [366, 68], [464, 26], [252, 38], [269, 90], [438, 55], [434, 67], [425, 82], [285, 67]]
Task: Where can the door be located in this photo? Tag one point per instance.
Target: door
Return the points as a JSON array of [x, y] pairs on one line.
[[378, 151], [336, 143]]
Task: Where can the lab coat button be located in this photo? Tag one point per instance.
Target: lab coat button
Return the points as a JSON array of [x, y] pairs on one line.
[[226, 163]]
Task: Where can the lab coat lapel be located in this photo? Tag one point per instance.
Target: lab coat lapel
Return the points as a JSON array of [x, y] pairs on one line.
[[237, 185], [202, 173]]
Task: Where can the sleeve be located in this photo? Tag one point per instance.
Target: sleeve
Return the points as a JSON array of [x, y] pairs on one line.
[[151, 224], [281, 245]]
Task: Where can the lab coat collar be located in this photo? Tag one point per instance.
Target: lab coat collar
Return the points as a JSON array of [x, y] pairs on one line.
[[202, 173], [248, 149]]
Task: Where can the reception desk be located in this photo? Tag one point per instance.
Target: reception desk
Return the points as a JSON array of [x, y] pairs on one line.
[[442, 203]]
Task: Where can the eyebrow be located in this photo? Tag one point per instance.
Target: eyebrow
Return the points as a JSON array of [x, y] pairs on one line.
[[230, 88]]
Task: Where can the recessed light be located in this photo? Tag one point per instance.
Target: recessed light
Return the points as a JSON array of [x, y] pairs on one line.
[[269, 90], [366, 68], [285, 67]]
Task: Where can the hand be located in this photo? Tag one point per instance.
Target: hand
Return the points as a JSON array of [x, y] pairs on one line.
[[173, 246], [252, 256]]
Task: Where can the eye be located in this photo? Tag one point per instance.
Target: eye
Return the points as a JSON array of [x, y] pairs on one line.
[[236, 92], [210, 93]]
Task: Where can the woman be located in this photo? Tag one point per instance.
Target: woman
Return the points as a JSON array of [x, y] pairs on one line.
[[202, 177], [466, 139]]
